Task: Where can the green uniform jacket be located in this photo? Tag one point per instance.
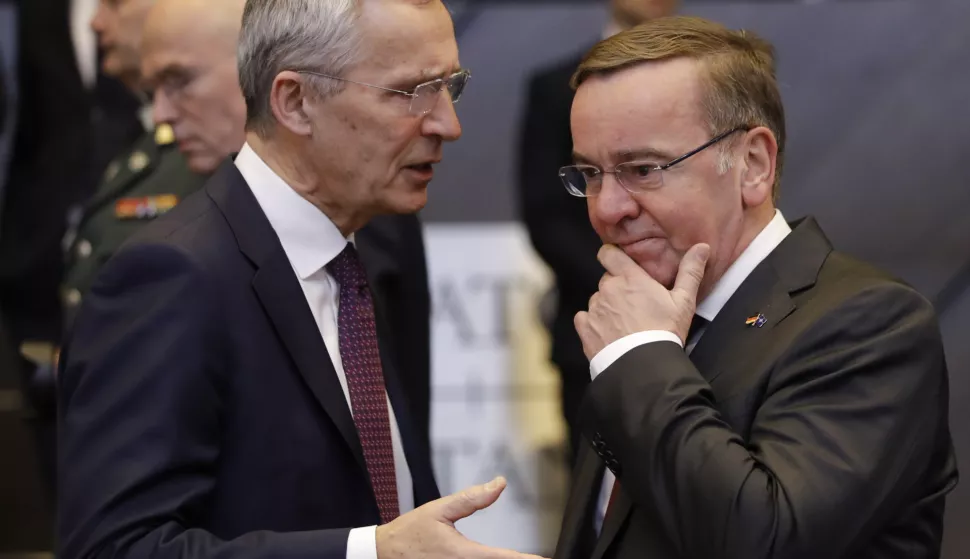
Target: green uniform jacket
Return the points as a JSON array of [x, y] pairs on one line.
[[138, 186]]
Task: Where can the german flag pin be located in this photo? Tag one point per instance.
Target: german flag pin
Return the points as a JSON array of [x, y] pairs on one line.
[[756, 321]]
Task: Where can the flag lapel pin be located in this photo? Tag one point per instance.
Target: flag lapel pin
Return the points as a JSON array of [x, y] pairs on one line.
[[756, 321]]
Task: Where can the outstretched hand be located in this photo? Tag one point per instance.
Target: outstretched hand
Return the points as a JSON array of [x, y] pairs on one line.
[[429, 531]]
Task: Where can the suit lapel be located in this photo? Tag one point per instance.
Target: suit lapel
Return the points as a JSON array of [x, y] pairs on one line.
[[577, 525], [720, 344], [282, 298], [792, 267]]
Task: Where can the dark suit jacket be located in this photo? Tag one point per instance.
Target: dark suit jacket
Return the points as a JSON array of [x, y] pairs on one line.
[[392, 248], [558, 223], [65, 137], [821, 434], [200, 412]]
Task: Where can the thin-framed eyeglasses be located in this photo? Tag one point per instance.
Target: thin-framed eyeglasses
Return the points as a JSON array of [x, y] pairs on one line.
[[635, 176], [424, 97]]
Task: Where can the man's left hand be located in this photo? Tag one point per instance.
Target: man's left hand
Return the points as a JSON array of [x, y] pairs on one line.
[[630, 301]]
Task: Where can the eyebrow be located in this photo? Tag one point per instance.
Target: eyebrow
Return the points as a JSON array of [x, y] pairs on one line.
[[430, 74], [425, 76], [644, 153], [627, 155], [175, 70]]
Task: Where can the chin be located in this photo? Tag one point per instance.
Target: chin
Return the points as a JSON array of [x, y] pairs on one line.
[[660, 272], [409, 203], [110, 67], [202, 165]]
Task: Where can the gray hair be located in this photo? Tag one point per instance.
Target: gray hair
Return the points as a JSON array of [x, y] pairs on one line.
[[278, 35]]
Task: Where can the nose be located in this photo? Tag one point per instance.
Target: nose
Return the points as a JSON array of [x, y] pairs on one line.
[[97, 22], [163, 110], [613, 203], [442, 121]]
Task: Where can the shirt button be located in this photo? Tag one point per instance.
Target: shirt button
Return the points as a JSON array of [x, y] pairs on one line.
[[84, 248]]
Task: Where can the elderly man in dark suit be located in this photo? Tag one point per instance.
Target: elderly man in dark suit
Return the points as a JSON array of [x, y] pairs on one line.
[[233, 387], [755, 393]]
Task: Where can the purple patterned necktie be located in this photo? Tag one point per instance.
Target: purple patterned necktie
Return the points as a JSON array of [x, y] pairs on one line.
[[365, 378]]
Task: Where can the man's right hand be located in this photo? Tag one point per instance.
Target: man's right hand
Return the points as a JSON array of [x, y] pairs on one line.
[[429, 531]]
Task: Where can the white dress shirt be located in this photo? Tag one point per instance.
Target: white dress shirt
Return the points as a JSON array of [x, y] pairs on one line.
[[311, 241], [767, 240], [85, 40]]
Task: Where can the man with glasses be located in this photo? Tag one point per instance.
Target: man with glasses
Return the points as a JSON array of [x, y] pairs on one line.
[[755, 393], [231, 389]]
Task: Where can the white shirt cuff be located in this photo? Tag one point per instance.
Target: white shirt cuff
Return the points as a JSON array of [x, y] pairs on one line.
[[362, 543], [609, 354]]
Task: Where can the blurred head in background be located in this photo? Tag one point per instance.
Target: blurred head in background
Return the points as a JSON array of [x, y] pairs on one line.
[[119, 25], [629, 13], [189, 63], [651, 95], [351, 101]]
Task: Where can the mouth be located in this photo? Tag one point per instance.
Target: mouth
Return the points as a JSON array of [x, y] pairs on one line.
[[187, 146], [422, 171], [648, 247]]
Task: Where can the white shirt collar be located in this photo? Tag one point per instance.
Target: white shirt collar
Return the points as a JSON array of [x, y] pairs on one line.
[[759, 249], [309, 238]]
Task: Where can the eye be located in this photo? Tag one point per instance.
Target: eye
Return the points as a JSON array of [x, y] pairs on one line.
[[589, 172], [637, 170], [640, 170]]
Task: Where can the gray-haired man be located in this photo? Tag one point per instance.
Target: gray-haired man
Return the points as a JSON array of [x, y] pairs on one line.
[[228, 391]]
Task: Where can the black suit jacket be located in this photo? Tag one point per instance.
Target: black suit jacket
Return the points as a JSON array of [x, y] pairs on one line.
[[821, 434], [392, 248], [200, 412], [65, 137], [558, 223]]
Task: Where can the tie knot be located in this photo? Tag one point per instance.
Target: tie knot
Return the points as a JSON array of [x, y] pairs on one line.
[[347, 268]]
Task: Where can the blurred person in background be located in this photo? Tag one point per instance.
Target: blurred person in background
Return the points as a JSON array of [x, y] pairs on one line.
[[71, 120], [559, 228], [756, 393], [142, 182], [217, 332]]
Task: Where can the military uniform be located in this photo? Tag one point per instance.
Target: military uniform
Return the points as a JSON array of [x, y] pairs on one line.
[[138, 186]]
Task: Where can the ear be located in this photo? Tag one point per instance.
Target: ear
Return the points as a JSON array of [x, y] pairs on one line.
[[759, 157], [287, 99]]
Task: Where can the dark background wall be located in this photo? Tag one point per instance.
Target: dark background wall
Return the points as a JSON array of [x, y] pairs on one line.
[[876, 93]]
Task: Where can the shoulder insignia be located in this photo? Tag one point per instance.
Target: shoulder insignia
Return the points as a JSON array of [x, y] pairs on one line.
[[164, 135]]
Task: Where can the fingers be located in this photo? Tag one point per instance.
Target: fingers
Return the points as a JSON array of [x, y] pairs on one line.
[[616, 262], [691, 273], [581, 323], [465, 503]]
